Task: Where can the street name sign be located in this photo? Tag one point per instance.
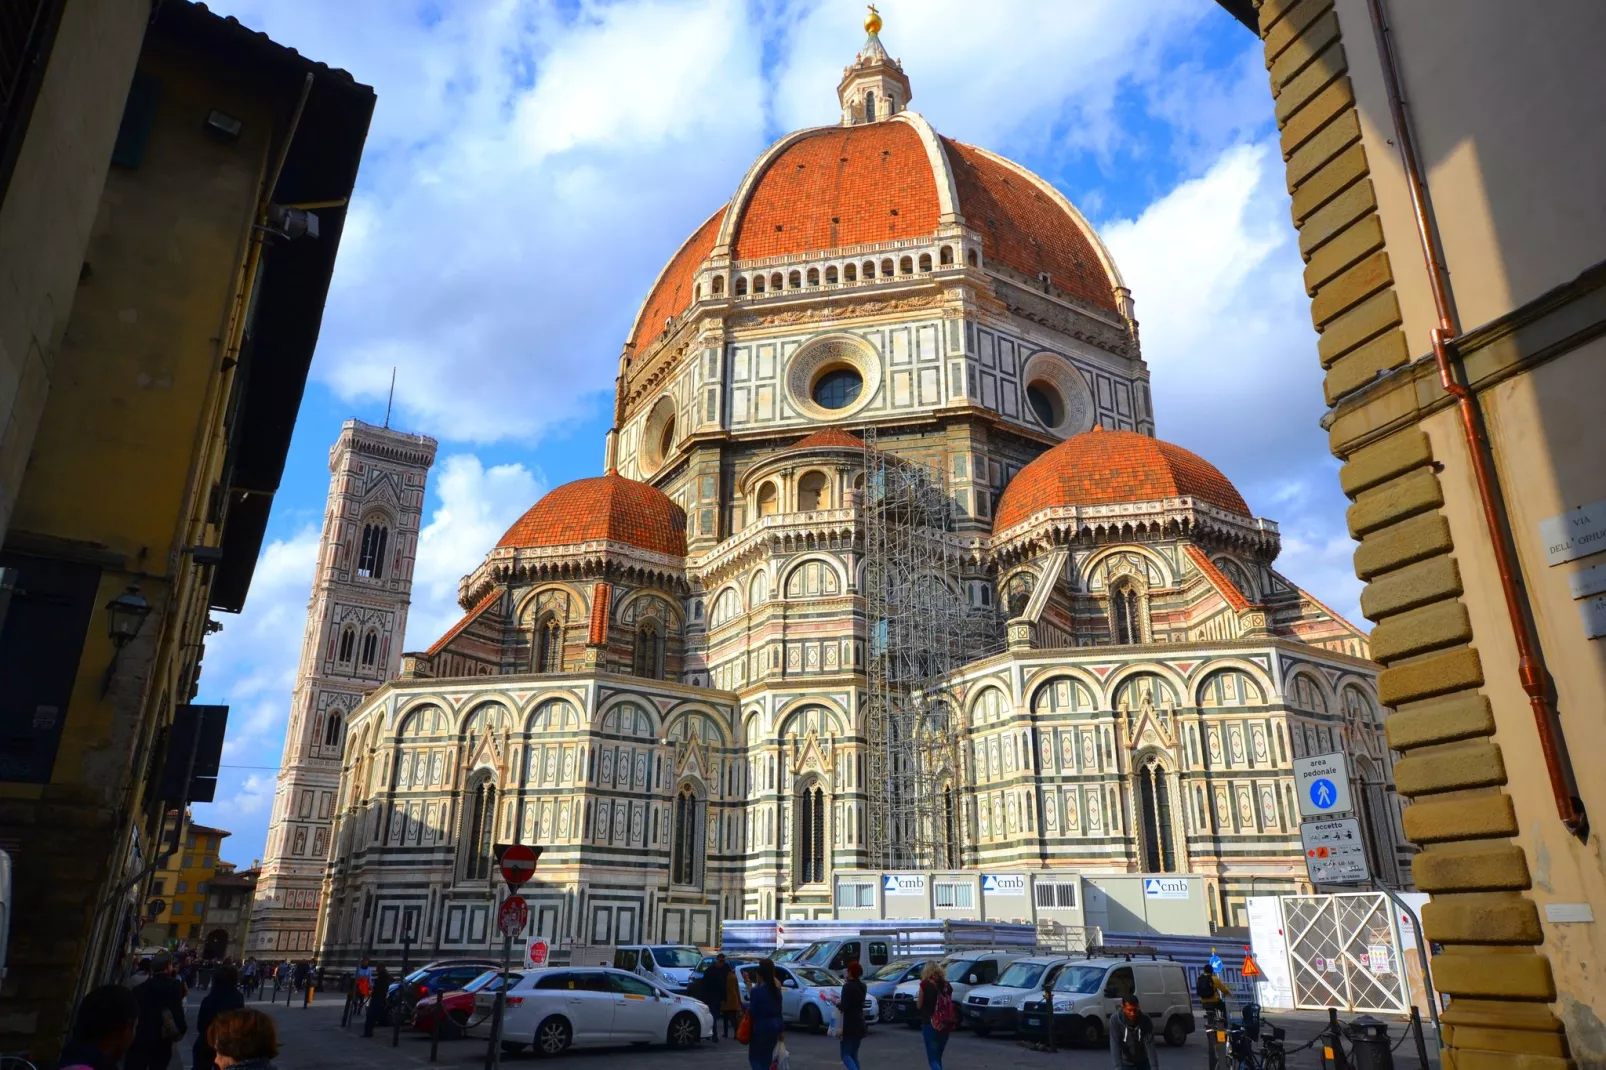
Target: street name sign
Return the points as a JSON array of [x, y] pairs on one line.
[[1334, 851], [1321, 782]]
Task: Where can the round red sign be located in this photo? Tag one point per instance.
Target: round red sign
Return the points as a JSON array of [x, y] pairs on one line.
[[535, 955], [513, 916], [518, 864]]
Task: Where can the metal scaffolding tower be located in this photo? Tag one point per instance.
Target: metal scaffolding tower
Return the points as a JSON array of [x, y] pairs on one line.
[[920, 629]]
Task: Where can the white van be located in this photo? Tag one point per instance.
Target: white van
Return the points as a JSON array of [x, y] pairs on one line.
[[965, 970], [1087, 993], [996, 1007], [671, 965], [871, 952]]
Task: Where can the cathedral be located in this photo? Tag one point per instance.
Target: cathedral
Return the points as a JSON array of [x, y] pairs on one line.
[[663, 673]]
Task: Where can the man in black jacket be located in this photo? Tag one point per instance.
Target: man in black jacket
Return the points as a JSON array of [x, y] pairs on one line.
[[103, 1029], [1132, 1037], [225, 995], [161, 1017], [714, 980]]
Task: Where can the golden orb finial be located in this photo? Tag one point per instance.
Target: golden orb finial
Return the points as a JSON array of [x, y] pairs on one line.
[[872, 21]]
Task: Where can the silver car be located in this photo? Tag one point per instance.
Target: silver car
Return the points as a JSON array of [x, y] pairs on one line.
[[575, 1006]]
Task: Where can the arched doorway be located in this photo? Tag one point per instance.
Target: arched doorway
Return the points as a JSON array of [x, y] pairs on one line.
[[216, 946]]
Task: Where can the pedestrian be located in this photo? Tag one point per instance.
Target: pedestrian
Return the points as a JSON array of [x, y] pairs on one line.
[[161, 1017], [1132, 1037], [376, 1002], [364, 980], [731, 1005], [764, 1004], [850, 1015], [935, 1003], [245, 1039], [102, 1030], [713, 988], [302, 972], [250, 975], [224, 996]]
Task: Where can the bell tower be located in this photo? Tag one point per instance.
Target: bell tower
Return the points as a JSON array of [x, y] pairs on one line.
[[356, 619], [874, 86]]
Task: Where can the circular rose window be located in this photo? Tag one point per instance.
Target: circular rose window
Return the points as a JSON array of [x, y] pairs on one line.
[[834, 377]]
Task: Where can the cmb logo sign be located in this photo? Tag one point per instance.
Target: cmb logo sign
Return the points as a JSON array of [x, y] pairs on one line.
[[1004, 884], [903, 884], [1163, 888]]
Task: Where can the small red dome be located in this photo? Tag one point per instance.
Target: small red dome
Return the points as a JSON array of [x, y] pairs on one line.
[[1102, 467], [603, 507]]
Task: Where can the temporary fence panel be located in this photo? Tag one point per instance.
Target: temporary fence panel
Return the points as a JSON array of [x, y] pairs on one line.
[[1344, 952]]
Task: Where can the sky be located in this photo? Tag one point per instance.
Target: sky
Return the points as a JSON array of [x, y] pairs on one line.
[[532, 164]]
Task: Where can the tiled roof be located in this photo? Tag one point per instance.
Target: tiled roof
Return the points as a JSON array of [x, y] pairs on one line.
[[603, 507], [1102, 467], [1224, 587], [830, 436], [1023, 227], [672, 293], [840, 186], [468, 618]]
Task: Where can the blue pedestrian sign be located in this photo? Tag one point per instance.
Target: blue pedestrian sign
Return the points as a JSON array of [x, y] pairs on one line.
[[1322, 785]]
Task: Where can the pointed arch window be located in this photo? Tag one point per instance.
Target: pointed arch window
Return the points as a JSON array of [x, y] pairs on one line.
[[331, 730], [1154, 800], [481, 830], [810, 835], [549, 645], [688, 833], [371, 561], [869, 106], [649, 653], [1126, 620], [370, 648], [348, 645], [950, 820]]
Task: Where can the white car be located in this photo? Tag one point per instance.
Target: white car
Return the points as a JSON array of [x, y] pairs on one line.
[[562, 1007], [964, 969], [809, 995]]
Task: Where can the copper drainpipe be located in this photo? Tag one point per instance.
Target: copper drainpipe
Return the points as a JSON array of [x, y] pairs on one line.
[[1531, 668]]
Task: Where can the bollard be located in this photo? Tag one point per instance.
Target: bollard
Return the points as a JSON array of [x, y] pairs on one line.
[[306, 999], [1334, 1048], [1048, 997], [1371, 1044], [434, 1038], [1416, 1031]]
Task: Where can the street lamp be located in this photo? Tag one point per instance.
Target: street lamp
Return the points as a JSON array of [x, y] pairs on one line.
[[125, 616]]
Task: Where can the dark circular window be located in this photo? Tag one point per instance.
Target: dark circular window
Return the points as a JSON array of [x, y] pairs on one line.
[[837, 388], [666, 439], [1045, 403]]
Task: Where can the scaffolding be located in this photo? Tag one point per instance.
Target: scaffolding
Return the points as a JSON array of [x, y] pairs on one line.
[[920, 629]]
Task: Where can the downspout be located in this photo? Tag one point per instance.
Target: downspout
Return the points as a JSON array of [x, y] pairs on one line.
[[1531, 669]]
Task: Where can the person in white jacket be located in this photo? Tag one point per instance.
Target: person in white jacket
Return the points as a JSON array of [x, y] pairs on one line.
[[1132, 1037]]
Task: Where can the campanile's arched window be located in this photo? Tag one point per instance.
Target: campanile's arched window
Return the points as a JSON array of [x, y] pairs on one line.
[[331, 730], [809, 836], [371, 561], [476, 848], [1154, 800], [348, 645], [688, 832], [370, 648]]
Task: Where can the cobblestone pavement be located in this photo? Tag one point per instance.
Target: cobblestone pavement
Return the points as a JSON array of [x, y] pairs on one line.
[[313, 1039]]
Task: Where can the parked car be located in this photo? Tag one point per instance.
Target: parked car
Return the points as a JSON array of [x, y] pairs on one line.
[[1087, 993], [964, 970], [785, 954], [809, 994], [562, 1007], [996, 1007], [881, 983], [671, 965], [443, 975], [460, 1008]]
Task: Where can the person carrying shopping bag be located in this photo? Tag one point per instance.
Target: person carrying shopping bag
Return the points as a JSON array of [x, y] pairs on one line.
[[764, 1009], [850, 1015]]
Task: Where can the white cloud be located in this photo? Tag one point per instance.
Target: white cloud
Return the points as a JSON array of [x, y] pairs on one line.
[[477, 505], [1226, 331]]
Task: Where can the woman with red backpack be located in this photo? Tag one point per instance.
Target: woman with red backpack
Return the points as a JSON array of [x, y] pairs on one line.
[[938, 1015]]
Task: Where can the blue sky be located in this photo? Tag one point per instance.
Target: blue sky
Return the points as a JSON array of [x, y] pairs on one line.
[[532, 165]]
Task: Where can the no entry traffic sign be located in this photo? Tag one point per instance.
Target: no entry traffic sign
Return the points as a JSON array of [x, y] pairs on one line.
[[518, 864], [513, 916]]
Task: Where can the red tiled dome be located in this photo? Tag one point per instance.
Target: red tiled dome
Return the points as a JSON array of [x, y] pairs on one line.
[[1101, 467], [874, 182], [830, 436], [603, 507]]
